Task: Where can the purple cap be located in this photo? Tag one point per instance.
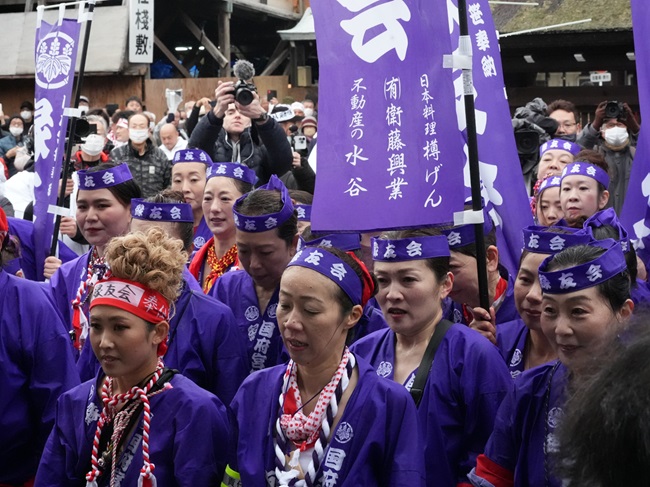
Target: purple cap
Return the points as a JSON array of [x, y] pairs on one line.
[[264, 223], [586, 169], [549, 182], [161, 212], [232, 170], [415, 248], [192, 155], [104, 179], [584, 276], [559, 144], [540, 240], [330, 266], [608, 217], [303, 212], [341, 241], [463, 235]]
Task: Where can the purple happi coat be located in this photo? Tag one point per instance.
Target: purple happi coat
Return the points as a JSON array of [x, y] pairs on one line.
[[37, 366], [511, 342], [526, 421], [467, 381], [376, 442], [258, 328], [189, 438], [203, 345]]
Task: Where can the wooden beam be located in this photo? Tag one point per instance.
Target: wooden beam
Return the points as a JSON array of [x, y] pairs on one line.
[[275, 62], [224, 41], [203, 39], [171, 57]]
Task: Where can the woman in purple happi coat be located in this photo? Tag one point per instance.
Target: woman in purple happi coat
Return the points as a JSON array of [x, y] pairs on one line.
[[522, 343], [325, 418], [266, 239], [462, 382], [37, 366], [204, 344], [585, 305], [103, 212], [137, 422]]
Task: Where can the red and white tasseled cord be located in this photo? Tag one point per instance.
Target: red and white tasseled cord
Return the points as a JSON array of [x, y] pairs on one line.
[[79, 320], [147, 478]]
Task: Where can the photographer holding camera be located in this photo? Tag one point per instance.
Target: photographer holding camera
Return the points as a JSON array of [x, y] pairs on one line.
[[232, 130], [613, 134]]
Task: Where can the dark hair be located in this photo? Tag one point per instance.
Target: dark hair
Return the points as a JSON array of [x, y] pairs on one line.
[[565, 105], [265, 201], [439, 265], [126, 114], [470, 249], [242, 186], [615, 290], [604, 435], [13, 117], [134, 98], [123, 192], [301, 197], [608, 231], [307, 235], [184, 230]]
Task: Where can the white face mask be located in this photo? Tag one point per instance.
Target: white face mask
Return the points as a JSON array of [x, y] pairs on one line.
[[616, 136], [16, 131], [138, 135], [93, 145], [26, 115], [309, 112]]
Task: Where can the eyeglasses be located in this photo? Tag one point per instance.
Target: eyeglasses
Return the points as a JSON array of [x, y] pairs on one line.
[[567, 125]]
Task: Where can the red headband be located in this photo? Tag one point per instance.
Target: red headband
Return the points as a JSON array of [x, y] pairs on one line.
[[368, 283], [134, 298]]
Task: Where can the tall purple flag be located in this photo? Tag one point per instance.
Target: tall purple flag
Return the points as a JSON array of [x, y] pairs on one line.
[[390, 154], [635, 214], [55, 56], [503, 188]]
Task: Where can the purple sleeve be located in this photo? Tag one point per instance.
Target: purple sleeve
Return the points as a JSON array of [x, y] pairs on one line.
[[205, 462], [501, 447]]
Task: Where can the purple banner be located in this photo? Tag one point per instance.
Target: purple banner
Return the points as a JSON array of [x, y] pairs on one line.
[[635, 214], [389, 154], [55, 56], [504, 191]]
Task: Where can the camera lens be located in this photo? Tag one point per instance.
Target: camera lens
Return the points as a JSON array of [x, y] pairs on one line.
[[612, 110], [527, 141], [244, 96]]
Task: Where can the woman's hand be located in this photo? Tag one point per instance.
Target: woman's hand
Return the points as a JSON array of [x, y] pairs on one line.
[[68, 227], [51, 266], [484, 323]]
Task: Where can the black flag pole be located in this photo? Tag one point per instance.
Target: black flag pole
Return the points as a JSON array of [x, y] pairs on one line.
[[72, 123], [472, 146]]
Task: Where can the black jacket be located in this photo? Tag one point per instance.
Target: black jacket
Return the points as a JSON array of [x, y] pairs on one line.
[[152, 171], [272, 156]]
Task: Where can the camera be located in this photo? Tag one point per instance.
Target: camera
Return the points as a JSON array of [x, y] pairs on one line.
[[615, 109], [298, 143], [82, 130], [244, 92]]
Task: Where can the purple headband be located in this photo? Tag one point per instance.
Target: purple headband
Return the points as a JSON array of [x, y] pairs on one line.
[[416, 248], [330, 266], [192, 155], [584, 276], [303, 212], [549, 182], [559, 144], [539, 240], [161, 212], [586, 169], [232, 170], [104, 179], [608, 217], [264, 223], [341, 241], [464, 234]]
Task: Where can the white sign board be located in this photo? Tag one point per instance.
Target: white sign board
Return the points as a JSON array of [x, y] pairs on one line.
[[141, 31], [600, 77]]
